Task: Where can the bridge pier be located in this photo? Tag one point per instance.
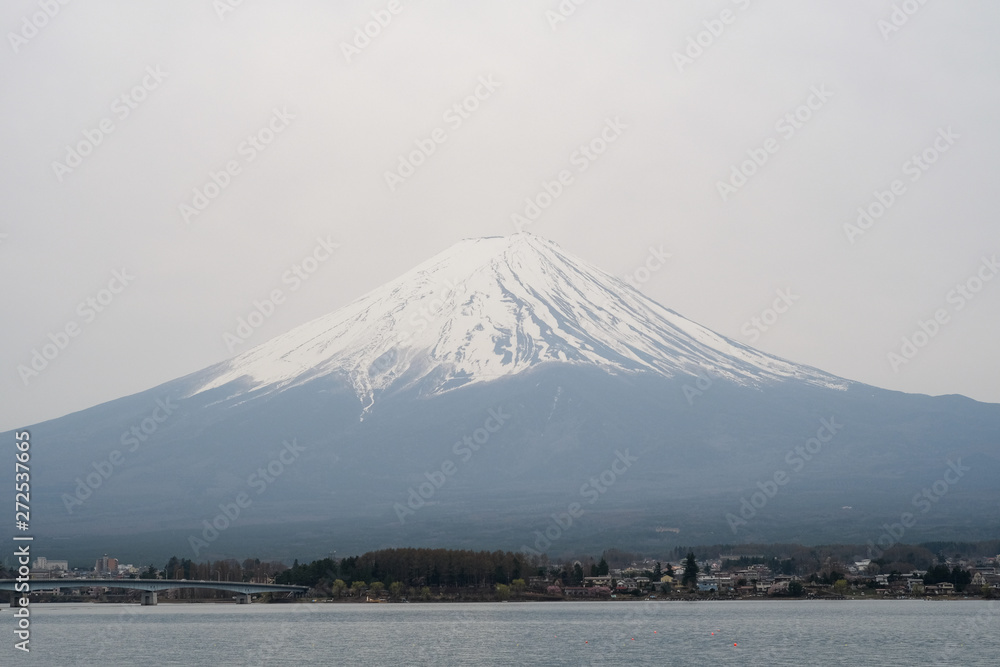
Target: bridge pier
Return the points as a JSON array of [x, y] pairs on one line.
[[148, 598], [242, 598]]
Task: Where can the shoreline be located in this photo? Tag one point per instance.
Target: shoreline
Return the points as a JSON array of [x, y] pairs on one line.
[[529, 601]]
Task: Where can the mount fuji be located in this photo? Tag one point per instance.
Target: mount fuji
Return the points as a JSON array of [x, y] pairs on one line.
[[505, 394]]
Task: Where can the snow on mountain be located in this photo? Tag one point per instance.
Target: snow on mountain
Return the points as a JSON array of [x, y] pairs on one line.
[[491, 307]]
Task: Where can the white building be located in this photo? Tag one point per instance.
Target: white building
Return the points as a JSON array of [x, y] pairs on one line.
[[43, 563]]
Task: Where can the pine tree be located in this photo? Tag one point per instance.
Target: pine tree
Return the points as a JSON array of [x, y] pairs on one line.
[[690, 571]]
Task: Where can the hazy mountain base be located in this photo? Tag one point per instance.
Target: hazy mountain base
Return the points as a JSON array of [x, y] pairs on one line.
[[697, 456]]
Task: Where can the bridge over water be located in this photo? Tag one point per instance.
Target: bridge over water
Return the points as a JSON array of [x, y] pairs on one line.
[[150, 587]]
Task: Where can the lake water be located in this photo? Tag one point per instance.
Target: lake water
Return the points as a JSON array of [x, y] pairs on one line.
[[899, 632]]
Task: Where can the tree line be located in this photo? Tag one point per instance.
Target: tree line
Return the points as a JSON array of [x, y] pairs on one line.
[[416, 568]]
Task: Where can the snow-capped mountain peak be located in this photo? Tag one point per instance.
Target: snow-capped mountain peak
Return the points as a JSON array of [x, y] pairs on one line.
[[491, 307]]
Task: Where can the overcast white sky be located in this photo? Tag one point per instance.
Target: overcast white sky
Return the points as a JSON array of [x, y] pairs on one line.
[[219, 78]]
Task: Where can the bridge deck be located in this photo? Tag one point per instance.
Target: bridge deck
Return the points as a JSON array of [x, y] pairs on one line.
[[152, 585]]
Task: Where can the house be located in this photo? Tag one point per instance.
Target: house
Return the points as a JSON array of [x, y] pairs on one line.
[[778, 587], [755, 573], [598, 581], [627, 585], [985, 578], [708, 583]]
